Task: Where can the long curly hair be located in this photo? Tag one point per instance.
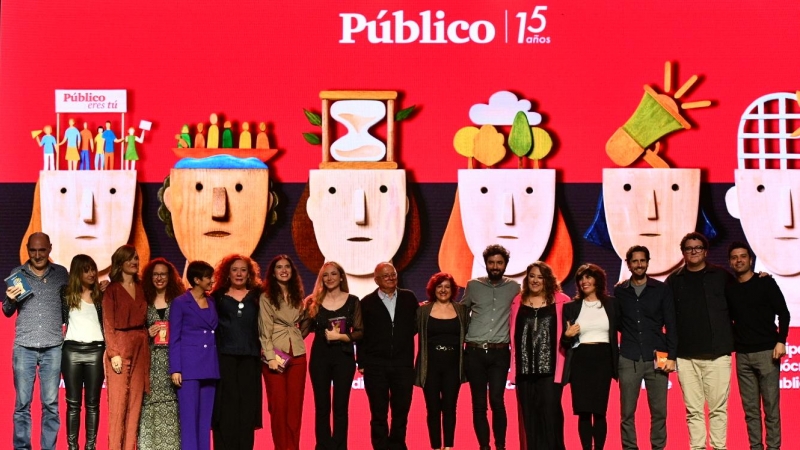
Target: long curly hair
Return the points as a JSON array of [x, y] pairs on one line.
[[600, 283], [72, 291], [120, 256], [222, 280], [272, 288], [436, 280], [551, 285], [320, 291], [174, 281]]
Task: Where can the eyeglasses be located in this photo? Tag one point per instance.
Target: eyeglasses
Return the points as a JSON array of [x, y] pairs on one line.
[[389, 276], [697, 249], [160, 275]]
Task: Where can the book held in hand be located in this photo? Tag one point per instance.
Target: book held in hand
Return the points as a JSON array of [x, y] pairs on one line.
[[19, 280], [162, 337], [338, 323], [659, 360]]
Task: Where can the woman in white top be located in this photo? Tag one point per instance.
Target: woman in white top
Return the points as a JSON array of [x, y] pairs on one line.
[[82, 352], [590, 336]]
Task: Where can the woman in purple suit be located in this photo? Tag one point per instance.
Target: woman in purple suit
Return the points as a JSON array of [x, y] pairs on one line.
[[193, 356]]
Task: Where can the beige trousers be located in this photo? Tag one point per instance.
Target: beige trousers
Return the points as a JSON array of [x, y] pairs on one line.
[[706, 381]]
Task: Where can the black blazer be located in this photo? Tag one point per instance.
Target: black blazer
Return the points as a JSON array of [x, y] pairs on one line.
[[571, 312], [387, 343]]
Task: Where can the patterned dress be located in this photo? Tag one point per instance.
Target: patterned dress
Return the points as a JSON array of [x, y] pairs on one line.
[[159, 428]]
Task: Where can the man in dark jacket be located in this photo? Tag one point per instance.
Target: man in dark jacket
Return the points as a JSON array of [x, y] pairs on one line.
[[386, 357], [705, 341], [754, 303]]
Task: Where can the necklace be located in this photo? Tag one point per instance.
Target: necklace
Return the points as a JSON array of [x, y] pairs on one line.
[[592, 304]]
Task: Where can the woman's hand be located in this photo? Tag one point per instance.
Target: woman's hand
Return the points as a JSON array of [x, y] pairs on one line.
[[177, 379], [273, 365], [334, 335], [116, 364], [153, 330], [572, 330]]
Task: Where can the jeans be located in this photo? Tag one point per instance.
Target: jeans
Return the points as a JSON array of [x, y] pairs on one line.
[[759, 384], [631, 374], [488, 367], [25, 361]]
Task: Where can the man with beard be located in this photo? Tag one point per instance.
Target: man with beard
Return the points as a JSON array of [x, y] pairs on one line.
[[646, 308], [487, 356], [705, 342], [754, 302]]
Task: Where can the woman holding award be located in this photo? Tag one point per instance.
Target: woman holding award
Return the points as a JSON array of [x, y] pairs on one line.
[[82, 352], [159, 428], [280, 313], [237, 409], [334, 316], [193, 362], [590, 337]]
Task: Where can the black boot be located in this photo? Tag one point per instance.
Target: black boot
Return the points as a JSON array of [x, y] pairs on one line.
[[73, 422], [92, 421]]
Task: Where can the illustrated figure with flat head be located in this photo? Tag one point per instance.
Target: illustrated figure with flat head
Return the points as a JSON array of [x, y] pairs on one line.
[[99, 149], [72, 137], [766, 190], [651, 206], [87, 143], [516, 207], [355, 207], [88, 212], [48, 144], [109, 138], [215, 206]]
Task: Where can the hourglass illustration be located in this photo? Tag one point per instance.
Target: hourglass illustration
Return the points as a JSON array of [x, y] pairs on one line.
[[358, 111], [358, 116]]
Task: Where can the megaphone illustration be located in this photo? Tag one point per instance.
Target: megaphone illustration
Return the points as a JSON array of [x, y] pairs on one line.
[[656, 116], [35, 133]]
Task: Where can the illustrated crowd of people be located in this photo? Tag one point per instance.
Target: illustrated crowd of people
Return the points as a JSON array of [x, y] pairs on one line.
[[180, 363], [81, 142]]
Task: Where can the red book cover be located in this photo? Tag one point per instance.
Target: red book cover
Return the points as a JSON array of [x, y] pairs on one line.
[[162, 337]]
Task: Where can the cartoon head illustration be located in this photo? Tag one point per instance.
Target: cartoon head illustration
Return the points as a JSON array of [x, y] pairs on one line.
[[217, 205], [515, 208], [768, 185], [652, 206], [91, 212]]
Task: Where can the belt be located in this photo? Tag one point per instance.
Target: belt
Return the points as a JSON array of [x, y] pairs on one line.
[[487, 345]]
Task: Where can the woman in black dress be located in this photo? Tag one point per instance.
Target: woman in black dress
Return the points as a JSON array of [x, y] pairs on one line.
[[237, 407], [334, 316], [590, 335], [442, 325]]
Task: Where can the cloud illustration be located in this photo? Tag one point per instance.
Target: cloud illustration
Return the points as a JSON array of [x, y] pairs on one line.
[[502, 108]]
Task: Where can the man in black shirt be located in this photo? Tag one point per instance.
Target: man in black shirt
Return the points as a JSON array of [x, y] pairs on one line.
[[646, 309], [705, 341], [754, 302]]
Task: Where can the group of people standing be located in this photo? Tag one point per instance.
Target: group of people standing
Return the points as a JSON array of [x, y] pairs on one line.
[[179, 363]]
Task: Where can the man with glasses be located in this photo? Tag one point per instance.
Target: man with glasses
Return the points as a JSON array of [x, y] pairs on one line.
[[487, 356], [386, 357], [705, 341]]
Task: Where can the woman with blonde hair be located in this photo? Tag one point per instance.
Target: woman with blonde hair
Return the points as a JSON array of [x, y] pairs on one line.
[[82, 352], [237, 408], [127, 349], [334, 315], [159, 427]]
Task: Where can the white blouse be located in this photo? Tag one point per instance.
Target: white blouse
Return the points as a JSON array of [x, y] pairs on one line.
[[84, 325], [594, 323]]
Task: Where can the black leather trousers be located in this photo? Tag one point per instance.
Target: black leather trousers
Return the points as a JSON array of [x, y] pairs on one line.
[[82, 368]]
